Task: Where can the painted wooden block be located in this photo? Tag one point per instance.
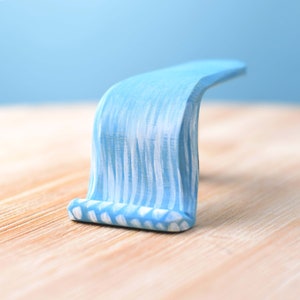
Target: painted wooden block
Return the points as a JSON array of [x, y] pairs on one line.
[[144, 168]]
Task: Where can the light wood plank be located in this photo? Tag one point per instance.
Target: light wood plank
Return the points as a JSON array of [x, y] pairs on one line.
[[246, 244]]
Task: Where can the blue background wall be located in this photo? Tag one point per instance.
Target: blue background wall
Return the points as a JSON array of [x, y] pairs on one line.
[[54, 50]]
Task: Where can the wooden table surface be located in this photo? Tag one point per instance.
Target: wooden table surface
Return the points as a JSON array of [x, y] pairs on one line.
[[245, 245]]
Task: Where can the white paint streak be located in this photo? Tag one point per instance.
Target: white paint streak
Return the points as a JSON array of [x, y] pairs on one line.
[[160, 226], [136, 223], [92, 216], [103, 204], [117, 207], [184, 225], [77, 212], [173, 227], [91, 202], [120, 219], [134, 171], [149, 225], [158, 184], [125, 173], [173, 216], [144, 210], [159, 213], [71, 216], [105, 218]]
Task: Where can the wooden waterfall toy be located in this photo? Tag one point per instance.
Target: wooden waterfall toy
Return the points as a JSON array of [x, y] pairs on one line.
[[144, 168]]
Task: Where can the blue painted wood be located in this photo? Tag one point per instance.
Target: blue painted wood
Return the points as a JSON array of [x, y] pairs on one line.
[[144, 169]]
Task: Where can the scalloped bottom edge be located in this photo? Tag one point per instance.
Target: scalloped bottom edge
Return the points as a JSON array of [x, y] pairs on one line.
[[128, 215]]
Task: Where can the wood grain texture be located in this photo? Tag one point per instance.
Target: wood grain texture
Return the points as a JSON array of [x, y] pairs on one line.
[[245, 245]]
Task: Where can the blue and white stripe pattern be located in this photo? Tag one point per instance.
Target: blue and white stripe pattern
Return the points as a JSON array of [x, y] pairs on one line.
[[144, 171]]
